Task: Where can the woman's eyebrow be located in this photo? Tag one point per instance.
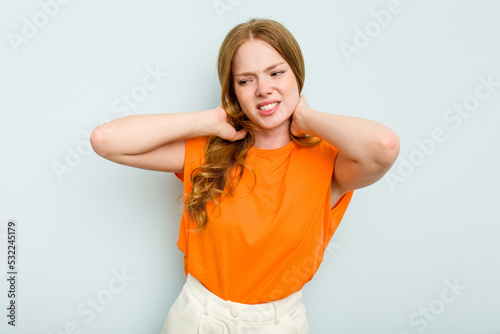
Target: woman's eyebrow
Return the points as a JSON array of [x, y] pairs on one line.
[[269, 68]]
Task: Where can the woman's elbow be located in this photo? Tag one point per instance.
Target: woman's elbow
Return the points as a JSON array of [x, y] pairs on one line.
[[389, 149], [97, 141]]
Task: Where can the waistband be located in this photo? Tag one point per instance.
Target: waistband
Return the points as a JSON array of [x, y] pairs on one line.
[[244, 312]]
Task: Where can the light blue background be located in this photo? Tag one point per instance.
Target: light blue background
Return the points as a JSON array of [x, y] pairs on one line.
[[400, 241]]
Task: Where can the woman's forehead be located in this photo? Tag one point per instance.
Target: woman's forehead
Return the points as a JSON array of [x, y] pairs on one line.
[[255, 56]]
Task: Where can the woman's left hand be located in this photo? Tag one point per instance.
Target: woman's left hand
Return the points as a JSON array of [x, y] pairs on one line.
[[297, 127]]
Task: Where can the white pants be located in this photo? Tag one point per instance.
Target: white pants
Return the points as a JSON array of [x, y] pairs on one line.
[[197, 310]]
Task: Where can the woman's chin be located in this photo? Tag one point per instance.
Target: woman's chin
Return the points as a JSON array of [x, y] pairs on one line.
[[276, 126]]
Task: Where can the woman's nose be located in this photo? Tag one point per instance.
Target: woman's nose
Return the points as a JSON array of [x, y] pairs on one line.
[[264, 88]]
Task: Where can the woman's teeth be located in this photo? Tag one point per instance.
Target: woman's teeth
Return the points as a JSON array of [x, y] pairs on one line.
[[268, 106]]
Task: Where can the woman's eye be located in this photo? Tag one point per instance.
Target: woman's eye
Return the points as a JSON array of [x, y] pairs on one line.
[[243, 82], [275, 74]]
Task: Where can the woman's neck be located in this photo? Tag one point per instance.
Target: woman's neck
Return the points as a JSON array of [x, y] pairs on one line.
[[271, 139]]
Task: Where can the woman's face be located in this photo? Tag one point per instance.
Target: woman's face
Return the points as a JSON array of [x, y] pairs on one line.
[[265, 85]]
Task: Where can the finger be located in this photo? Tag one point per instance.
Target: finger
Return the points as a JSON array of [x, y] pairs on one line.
[[240, 134]]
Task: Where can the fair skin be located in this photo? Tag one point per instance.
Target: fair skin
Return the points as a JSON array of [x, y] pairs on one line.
[[262, 78]]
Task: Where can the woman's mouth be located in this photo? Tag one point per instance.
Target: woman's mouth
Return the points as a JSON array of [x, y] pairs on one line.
[[268, 109]]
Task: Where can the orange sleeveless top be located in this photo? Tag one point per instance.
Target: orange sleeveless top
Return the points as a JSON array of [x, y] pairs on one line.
[[267, 241]]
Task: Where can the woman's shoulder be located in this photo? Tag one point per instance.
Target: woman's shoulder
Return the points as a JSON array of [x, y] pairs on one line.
[[322, 147], [195, 148]]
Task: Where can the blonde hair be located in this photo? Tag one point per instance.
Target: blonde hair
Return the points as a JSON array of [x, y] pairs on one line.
[[225, 160]]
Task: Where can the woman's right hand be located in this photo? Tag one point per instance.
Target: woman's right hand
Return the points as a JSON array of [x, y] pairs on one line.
[[222, 128]]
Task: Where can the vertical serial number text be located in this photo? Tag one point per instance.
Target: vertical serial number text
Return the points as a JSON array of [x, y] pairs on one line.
[[12, 265]]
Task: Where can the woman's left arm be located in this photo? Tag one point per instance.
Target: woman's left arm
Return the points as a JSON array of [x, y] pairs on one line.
[[367, 149]]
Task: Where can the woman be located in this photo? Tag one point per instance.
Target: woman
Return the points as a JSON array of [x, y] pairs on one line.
[[266, 182]]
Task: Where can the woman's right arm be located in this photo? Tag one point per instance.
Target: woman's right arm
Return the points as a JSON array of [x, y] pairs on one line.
[[156, 141]]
